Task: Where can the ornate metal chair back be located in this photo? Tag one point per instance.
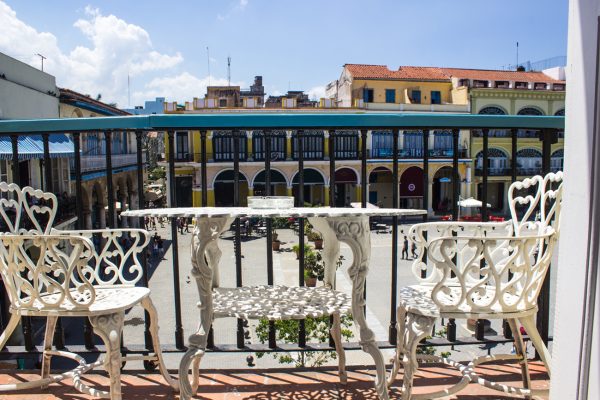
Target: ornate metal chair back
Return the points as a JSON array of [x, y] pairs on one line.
[[492, 267], [26, 210], [39, 274]]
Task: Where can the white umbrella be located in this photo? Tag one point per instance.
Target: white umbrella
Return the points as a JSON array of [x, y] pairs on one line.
[[359, 205], [471, 203]]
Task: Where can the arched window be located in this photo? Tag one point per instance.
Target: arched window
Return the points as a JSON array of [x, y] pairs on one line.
[[529, 162], [492, 110], [530, 111], [557, 160], [560, 113], [497, 162]]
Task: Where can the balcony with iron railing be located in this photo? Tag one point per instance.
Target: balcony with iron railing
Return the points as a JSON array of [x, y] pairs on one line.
[[98, 162], [168, 275]]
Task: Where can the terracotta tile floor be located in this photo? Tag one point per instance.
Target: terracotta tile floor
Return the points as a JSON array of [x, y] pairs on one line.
[[283, 384]]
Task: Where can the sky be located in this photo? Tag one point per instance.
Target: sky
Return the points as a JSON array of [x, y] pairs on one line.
[[94, 46]]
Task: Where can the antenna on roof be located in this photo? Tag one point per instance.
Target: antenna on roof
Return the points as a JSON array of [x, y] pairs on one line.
[[228, 71], [42, 58], [128, 92], [208, 63], [517, 56]]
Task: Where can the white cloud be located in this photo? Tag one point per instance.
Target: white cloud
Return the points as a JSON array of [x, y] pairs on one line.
[[116, 48], [180, 88], [316, 92], [243, 3]]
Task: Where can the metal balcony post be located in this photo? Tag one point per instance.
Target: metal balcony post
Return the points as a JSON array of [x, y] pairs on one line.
[[179, 343], [392, 331]]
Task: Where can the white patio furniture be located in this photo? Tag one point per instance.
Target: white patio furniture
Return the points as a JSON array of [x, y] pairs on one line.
[[347, 225], [50, 273], [483, 271]]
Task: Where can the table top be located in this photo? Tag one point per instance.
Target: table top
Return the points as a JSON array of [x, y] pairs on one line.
[[239, 212]]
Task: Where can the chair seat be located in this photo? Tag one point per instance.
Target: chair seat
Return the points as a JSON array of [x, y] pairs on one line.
[[108, 300], [416, 299], [278, 302]]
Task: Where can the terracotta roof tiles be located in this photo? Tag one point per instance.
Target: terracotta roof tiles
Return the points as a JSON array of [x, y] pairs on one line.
[[365, 71]]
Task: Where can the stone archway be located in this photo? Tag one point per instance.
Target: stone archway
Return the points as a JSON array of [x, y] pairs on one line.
[[411, 188], [442, 190], [223, 186], [278, 183], [380, 187], [346, 180], [314, 186]]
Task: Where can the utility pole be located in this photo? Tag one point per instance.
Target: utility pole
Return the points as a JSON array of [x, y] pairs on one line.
[[517, 56], [42, 58]]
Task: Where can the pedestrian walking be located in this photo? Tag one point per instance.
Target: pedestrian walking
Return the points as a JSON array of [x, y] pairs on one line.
[[413, 250], [405, 248]]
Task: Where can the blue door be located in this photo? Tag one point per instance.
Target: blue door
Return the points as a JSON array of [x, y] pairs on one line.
[[436, 97]]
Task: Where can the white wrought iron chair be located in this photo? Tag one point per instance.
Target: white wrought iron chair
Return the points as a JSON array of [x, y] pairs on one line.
[[50, 273], [482, 271]]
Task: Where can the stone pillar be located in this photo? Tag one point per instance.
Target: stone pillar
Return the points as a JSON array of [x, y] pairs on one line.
[[288, 191], [430, 197], [87, 216], [123, 200], [102, 215], [249, 145], [431, 142], [326, 144], [250, 190], [326, 195], [288, 145]]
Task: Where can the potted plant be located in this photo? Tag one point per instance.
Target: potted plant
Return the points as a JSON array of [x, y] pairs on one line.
[[296, 249], [314, 268], [317, 238], [276, 244]]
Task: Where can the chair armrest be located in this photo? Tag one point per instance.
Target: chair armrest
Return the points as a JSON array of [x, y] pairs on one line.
[[116, 253]]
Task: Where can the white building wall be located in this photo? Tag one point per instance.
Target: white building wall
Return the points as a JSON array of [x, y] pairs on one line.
[[572, 377], [26, 92]]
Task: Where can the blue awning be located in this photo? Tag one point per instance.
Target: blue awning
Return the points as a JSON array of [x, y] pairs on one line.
[[32, 146]]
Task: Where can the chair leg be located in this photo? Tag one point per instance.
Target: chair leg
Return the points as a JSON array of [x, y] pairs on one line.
[[531, 328], [417, 328], [48, 338], [400, 327], [336, 334], [521, 352], [13, 322], [149, 307], [109, 328]]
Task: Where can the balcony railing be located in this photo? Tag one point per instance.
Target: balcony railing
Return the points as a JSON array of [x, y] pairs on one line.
[[417, 153], [98, 162], [80, 337], [494, 171]]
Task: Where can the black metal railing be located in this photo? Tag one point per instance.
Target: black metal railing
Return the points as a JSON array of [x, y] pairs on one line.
[[236, 124]]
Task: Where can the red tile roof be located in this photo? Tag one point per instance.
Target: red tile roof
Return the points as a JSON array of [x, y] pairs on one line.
[[498, 75], [365, 71]]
